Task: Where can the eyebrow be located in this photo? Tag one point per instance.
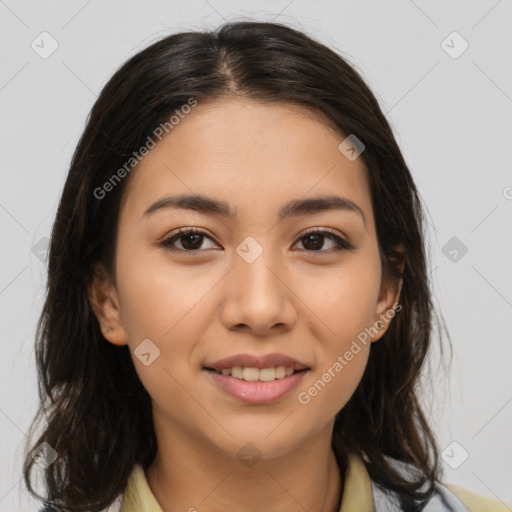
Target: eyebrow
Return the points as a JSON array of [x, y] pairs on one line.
[[295, 208]]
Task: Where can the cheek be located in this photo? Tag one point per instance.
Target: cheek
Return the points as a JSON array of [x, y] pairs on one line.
[[343, 306], [166, 309], [157, 297], [169, 307], [334, 381], [343, 300]]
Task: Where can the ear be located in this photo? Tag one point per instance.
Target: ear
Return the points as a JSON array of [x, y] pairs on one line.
[[388, 303], [104, 301]]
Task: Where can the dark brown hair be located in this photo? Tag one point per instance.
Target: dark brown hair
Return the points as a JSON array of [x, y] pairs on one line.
[[96, 413]]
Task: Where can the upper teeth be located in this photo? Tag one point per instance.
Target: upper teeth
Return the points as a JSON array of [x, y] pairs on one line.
[[264, 374]]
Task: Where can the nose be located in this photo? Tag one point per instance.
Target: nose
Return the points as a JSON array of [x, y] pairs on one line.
[[259, 298]]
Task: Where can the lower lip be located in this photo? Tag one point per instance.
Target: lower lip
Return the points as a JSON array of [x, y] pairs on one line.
[[257, 392]]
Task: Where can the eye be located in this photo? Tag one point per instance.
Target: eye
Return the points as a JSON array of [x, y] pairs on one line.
[[190, 239], [313, 240]]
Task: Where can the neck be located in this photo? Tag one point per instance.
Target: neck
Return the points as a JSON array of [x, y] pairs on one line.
[[188, 475]]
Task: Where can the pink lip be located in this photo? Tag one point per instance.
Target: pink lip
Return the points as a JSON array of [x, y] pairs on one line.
[[256, 392], [251, 361]]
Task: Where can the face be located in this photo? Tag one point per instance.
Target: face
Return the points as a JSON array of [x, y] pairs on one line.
[[256, 282]]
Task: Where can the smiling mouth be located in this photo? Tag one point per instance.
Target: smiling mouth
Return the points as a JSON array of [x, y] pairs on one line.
[[257, 386], [257, 374]]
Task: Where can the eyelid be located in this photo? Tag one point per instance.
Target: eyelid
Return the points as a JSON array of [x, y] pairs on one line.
[[321, 230]]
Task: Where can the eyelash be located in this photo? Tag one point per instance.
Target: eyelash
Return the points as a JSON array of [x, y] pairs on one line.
[[341, 244]]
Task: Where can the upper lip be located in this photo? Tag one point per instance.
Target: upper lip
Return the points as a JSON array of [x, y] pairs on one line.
[[252, 361]]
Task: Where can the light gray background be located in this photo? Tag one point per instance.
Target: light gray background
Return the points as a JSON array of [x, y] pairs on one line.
[[451, 116]]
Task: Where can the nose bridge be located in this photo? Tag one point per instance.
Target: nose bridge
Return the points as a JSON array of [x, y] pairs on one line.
[[257, 280], [257, 295]]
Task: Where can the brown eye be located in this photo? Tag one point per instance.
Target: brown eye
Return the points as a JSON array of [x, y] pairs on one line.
[[190, 240], [314, 240]]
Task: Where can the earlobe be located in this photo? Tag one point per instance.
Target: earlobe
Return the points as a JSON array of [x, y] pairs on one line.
[[383, 320], [385, 313], [104, 301]]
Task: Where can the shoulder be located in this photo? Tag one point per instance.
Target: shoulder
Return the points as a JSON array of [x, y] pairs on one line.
[[442, 500], [115, 506], [476, 502], [447, 497]]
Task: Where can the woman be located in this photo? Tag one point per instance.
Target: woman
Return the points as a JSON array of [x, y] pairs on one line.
[[238, 306]]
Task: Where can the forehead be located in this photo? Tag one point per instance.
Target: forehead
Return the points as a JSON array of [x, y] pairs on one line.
[[249, 153]]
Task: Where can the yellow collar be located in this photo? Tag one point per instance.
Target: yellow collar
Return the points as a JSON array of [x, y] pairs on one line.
[[357, 493]]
